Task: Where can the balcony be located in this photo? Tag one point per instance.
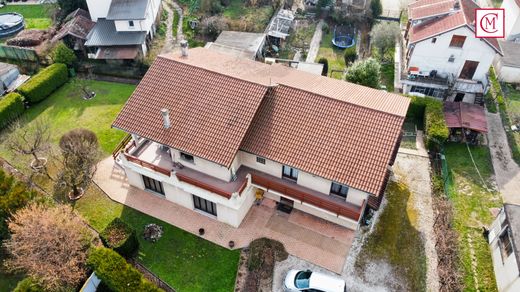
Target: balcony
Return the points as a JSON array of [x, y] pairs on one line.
[[443, 81]]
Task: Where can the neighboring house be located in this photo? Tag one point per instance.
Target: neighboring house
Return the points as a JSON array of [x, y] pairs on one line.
[[124, 28], [504, 241], [508, 65], [442, 57], [247, 45], [210, 132], [75, 29]]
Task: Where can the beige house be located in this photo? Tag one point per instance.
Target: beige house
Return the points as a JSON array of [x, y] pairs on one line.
[[213, 133]]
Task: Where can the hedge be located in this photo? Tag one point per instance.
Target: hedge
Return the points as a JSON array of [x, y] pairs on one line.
[[28, 285], [113, 270], [120, 237], [434, 123], [45, 82], [11, 106]]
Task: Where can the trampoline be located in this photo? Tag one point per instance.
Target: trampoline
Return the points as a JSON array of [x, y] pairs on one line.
[[343, 38], [10, 23]]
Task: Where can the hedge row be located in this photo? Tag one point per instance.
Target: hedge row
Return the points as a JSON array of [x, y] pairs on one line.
[[116, 273], [45, 82], [120, 237], [11, 106], [431, 112]]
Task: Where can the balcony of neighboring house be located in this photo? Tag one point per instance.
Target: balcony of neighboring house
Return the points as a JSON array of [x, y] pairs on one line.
[[415, 76]]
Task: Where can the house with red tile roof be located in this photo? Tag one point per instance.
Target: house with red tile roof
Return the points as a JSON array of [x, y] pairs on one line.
[[213, 133], [442, 57]]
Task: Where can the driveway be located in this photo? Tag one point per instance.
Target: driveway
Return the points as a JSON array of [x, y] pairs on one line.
[[507, 172]]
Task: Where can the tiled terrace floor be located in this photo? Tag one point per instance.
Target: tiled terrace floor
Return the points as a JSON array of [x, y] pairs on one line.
[[303, 235]]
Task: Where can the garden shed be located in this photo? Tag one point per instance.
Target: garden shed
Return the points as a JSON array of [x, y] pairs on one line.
[[466, 122], [247, 45]]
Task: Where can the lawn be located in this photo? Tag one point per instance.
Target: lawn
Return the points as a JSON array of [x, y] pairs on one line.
[[8, 282], [36, 16], [512, 111], [185, 261], [472, 201], [396, 241], [333, 54]]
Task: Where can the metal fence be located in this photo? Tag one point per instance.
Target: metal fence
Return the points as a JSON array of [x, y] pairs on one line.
[[16, 53], [446, 177]]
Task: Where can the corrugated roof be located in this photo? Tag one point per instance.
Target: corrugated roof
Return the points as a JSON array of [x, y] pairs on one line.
[[78, 26], [127, 9], [511, 52], [105, 34], [465, 115]]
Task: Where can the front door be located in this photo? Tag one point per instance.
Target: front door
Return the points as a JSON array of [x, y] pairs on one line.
[[468, 70]]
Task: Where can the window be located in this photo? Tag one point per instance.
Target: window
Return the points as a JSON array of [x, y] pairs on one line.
[[457, 41], [153, 185], [260, 160], [506, 247], [435, 92], [434, 40], [187, 157], [338, 190], [451, 59], [204, 205], [131, 23], [289, 173], [302, 279]]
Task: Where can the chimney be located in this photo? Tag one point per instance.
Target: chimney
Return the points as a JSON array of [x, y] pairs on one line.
[[184, 48], [166, 117], [456, 5]]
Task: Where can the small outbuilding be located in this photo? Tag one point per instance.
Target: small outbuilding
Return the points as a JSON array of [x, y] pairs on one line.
[[75, 30], [246, 45], [508, 65], [466, 122]]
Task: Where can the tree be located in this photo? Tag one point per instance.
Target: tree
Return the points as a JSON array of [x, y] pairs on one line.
[[384, 36], [67, 6], [350, 55], [376, 7], [365, 72], [83, 83], [31, 140], [80, 154], [325, 63], [63, 54], [48, 244], [213, 26]]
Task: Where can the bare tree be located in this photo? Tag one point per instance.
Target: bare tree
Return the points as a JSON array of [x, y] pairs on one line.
[[48, 244], [31, 140], [80, 154], [83, 83]]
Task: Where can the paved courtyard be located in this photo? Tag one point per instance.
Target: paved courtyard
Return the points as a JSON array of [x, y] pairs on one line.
[[305, 236]]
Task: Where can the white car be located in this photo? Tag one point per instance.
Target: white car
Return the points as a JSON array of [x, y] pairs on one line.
[[297, 280]]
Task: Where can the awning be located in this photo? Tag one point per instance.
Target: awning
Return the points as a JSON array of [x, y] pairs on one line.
[[465, 115], [119, 53]]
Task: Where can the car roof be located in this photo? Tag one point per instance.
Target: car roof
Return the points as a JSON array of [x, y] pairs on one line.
[[326, 282]]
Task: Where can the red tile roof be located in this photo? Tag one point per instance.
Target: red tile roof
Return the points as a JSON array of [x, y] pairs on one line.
[[465, 115], [331, 128], [464, 16]]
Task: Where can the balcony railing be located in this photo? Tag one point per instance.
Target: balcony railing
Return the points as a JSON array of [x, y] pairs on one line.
[[147, 164], [426, 79], [212, 184]]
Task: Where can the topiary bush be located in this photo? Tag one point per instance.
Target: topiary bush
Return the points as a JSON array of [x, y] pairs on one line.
[[11, 106], [45, 82], [120, 237], [116, 273]]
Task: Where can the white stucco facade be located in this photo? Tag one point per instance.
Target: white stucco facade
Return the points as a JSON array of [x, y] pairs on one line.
[[98, 8], [506, 73], [512, 17]]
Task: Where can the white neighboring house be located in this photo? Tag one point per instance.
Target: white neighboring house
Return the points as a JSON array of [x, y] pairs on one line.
[[504, 241], [508, 65], [124, 28], [442, 57]]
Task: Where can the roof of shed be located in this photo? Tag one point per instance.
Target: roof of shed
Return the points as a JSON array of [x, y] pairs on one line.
[[105, 34], [465, 115], [511, 55]]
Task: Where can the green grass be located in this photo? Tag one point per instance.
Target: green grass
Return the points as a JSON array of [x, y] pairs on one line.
[[472, 202], [243, 17], [36, 16], [65, 110], [510, 113], [8, 281], [396, 241], [185, 261], [333, 54], [387, 76]]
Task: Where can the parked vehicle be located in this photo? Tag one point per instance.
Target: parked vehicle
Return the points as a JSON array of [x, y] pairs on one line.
[[297, 280]]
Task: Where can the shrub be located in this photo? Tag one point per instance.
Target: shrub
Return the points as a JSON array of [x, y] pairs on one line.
[[11, 106], [116, 273], [376, 7], [434, 123], [213, 26], [325, 63], [264, 252], [45, 82], [62, 54], [365, 72], [28, 285], [325, 28], [350, 55], [120, 237]]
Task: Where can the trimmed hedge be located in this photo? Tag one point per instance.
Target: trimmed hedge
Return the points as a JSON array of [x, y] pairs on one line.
[[11, 106], [45, 82], [434, 123], [120, 237], [116, 273]]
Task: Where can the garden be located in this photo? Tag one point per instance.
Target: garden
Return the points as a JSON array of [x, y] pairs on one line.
[[35, 16]]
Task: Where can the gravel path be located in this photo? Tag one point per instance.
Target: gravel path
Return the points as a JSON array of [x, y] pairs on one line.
[[507, 171], [314, 46], [171, 41]]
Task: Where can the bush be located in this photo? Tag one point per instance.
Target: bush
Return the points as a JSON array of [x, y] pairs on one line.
[[325, 63], [120, 237], [325, 28], [350, 55], [116, 273], [365, 72], [434, 123], [62, 54], [28, 285], [11, 106], [45, 82]]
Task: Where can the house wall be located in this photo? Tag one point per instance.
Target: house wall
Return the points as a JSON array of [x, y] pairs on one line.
[[98, 8], [203, 165], [512, 17], [507, 73], [434, 56]]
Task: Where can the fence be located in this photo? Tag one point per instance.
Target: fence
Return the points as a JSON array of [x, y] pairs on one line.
[[446, 177], [16, 53]]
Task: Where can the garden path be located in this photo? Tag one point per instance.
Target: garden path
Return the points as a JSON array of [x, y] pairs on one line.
[[314, 46]]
